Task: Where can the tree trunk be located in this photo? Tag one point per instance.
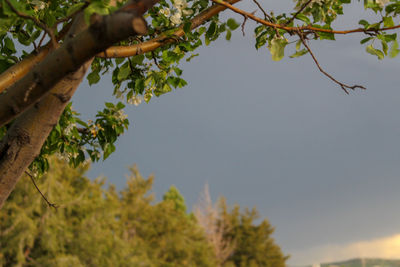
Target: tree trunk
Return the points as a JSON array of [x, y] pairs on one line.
[[26, 136]]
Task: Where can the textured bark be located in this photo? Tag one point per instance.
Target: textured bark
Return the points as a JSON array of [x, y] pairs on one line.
[[70, 56], [163, 39], [26, 136], [29, 131]]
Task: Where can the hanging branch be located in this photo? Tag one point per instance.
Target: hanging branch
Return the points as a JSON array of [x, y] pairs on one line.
[[52, 205], [342, 85]]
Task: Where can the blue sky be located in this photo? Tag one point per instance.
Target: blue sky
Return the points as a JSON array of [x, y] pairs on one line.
[[321, 165]]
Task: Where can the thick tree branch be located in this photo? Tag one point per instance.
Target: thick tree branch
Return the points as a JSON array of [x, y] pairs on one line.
[[18, 70], [151, 45], [71, 55]]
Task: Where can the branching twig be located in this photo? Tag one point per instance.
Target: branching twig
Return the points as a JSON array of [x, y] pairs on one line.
[[155, 60], [342, 85], [266, 16], [298, 12], [37, 188], [244, 21], [72, 14], [37, 22]]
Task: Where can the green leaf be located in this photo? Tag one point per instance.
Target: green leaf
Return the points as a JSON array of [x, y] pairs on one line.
[[394, 50], [93, 77], [388, 21], [109, 105], [304, 18], [211, 30], [385, 47], [277, 48], [9, 44], [232, 24], [363, 41], [228, 35], [373, 51], [137, 59], [364, 23], [299, 53], [124, 72]]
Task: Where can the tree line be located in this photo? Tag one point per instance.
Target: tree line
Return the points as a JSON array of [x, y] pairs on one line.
[[91, 225]]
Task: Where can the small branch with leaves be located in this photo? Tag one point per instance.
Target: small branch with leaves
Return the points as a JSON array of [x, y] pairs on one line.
[[306, 28], [298, 12], [37, 22]]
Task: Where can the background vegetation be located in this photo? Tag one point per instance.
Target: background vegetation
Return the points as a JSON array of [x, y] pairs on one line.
[[94, 226]]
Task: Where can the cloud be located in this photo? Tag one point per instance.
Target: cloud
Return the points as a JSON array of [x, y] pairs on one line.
[[388, 248]]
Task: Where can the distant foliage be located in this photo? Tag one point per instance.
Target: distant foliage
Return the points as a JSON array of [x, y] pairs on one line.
[[97, 227]]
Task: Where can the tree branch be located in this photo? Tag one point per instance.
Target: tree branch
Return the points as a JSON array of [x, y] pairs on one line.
[[18, 70], [71, 55], [163, 39], [301, 28], [52, 205], [266, 16], [38, 23], [298, 12], [342, 85]]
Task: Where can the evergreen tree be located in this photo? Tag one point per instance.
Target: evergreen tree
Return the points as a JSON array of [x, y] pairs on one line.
[[254, 246]]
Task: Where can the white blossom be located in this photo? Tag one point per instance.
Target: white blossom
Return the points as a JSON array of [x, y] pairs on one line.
[[187, 12], [166, 12], [68, 129], [180, 5], [176, 19], [136, 100], [121, 115], [38, 5]]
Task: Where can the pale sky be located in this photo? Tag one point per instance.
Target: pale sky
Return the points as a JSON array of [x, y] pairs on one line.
[[321, 165]]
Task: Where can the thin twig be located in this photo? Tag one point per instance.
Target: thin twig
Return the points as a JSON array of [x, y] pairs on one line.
[[244, 21], [72, 14], [298, 12], [155, 60], [342, 85], [37, 188], [266, 16], [37, 22], [40, 42]]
